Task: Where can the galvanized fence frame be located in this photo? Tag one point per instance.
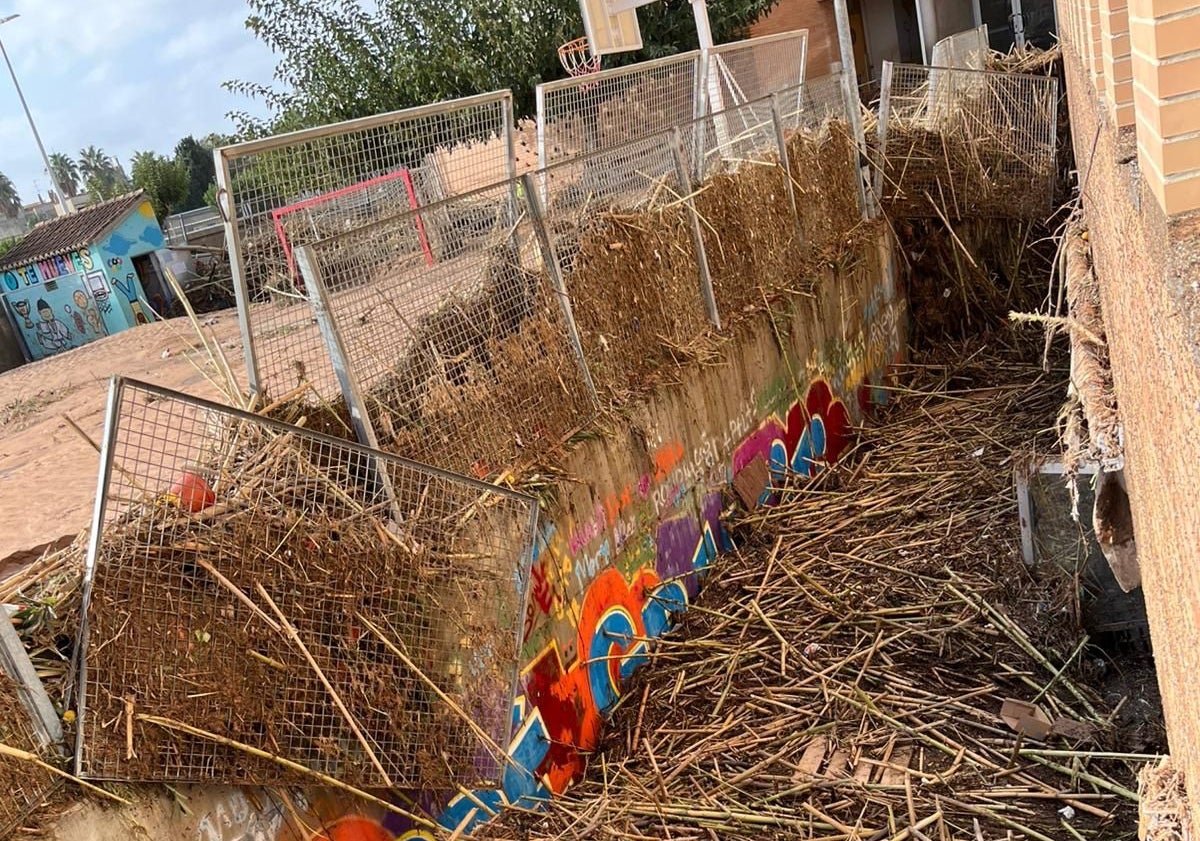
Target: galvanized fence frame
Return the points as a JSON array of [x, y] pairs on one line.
[[322, 573], [430, 355], [1004, 124], [572, 112], [470, 137]]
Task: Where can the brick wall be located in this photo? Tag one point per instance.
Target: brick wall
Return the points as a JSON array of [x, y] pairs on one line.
[[1147, 262], [814, 15]]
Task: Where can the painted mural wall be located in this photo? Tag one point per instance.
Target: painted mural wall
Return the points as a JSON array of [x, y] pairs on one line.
[[632, 541], [71, 299]]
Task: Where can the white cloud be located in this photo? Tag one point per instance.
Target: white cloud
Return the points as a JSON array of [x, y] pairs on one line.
[[124, 75]]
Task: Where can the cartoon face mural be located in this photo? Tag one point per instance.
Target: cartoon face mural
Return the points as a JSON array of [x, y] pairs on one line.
[[52, 334], [22, 309]]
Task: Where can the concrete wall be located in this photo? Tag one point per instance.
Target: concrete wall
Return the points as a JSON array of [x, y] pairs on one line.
[[1148, 269], [641, 518]]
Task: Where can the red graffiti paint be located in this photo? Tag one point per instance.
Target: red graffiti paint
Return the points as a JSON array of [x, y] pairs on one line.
[[354, 829]]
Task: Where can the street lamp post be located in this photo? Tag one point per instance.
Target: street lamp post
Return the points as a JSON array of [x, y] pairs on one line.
[[64, 201]]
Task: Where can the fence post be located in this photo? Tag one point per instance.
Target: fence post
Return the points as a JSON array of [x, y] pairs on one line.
[[685, 187], [554, 269], [318, 296], [237, 268], [853, 110], [885, 108], [784, 160]]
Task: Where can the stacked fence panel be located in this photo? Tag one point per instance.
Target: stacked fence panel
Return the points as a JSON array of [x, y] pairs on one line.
[[282, 192], [263, 603], [25, 785], [966, 143], [746, 71], [459, 349]]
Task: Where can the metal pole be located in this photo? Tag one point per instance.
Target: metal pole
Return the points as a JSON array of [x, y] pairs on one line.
[[685, 188], [228, 209], [784, 160], [853, 102], [554, 269], [64, 203], [885, 109]]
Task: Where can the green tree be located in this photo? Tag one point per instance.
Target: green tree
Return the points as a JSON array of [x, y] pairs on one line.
[[102, 178], [337, 61], [94, 162], [10, 200], [66, 173], [165, 181], [196, 158], [8, 244]]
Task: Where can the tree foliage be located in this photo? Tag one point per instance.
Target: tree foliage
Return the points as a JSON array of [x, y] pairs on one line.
[[65, 172], [338, 61], [8, 244], [165, 181], [196, 159], [10, 199], [102, 178]]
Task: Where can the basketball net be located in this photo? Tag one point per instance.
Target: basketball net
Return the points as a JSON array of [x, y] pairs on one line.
[[577, 59]]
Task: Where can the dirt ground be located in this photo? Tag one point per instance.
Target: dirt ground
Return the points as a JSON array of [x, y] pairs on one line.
[[47, 471]]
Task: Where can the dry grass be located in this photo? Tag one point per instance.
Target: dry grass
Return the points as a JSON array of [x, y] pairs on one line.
[[841, 676]]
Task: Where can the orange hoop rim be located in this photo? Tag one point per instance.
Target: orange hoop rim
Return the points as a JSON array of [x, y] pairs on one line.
[[577, 58]]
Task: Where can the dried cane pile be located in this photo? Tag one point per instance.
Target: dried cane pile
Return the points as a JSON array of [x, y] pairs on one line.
[[842, 676]]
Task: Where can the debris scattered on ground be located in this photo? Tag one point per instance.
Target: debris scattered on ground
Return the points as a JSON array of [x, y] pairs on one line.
[[843, 674]]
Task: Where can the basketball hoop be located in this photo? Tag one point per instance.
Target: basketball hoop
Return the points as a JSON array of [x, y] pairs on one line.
[[577, 58]]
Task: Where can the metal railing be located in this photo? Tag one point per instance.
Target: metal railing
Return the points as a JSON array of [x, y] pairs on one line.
[[967, 50], [255, 590], [966, 143], [181, 228], [446, 147]]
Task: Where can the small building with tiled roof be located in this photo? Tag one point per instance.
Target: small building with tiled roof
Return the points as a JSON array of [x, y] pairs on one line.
[[77, 278]]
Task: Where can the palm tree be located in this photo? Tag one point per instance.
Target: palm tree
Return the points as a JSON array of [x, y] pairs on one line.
[[65, 172], [10, 202], [93, 161]]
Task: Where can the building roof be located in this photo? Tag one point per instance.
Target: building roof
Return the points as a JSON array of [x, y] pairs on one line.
[[70, 233]]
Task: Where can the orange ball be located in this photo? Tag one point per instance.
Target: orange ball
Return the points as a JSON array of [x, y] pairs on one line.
[[192, 492]]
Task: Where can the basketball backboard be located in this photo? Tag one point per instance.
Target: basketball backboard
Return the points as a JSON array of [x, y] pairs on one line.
[[609, 29]]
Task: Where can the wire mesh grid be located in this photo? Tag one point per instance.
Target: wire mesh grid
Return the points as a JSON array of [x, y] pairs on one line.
[[252, 584], [967, 50], [967, 143], [751, 239], [461, 351], [345, 170], [745, 71], [25, 786], [588, 114], [625, 246]]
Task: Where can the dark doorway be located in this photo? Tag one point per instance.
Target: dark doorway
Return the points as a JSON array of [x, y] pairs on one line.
[[152, 282], [908, 32]]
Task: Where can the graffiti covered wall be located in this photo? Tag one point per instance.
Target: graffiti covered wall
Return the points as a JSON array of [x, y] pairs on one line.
[[71, 299], [630, 542]]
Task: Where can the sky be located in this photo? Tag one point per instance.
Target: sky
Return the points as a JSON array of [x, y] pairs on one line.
[[124, 75]]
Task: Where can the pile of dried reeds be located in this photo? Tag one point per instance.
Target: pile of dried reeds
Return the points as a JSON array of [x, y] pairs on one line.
[[842, 675], [1165, 810]]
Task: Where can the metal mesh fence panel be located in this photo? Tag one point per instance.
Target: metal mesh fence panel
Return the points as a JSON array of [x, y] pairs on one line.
[[25, 786], [749, 229], [587, 114], [460, 350], [625, 245], [254, 585], [966, 50], [443, 149], [745, 71], [967, 143], [823, 162]]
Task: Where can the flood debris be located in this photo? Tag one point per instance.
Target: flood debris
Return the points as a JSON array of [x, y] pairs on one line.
[[843, 674]]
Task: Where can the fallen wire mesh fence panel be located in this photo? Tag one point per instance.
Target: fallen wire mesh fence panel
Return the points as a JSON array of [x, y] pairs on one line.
[[456, 348], [587, 114], [282, 192], [25, 786], [625, 241], [264, 604], [966, 143]]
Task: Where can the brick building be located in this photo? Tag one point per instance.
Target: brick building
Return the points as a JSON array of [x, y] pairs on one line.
[[1133, 83]]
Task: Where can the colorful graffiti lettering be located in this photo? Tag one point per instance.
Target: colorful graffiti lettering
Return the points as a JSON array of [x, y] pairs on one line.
[[815, 433]]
